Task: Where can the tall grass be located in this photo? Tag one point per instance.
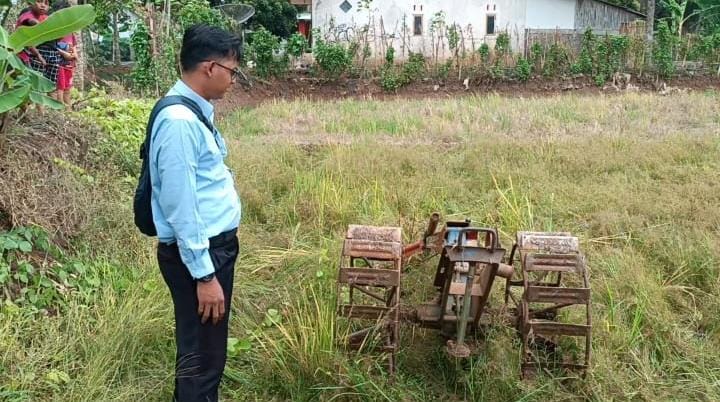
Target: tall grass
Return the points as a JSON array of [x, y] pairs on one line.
[[633, 186], [634, 176]]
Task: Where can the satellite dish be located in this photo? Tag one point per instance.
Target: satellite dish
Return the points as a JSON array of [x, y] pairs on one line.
[[237, 12]]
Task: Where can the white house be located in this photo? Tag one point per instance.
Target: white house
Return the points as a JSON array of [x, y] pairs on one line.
[[415, 25]]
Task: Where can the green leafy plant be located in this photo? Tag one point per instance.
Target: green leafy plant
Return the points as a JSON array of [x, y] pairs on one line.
[[557, 60], [602, 57], [20, 84], [36, 275], [453, 36], [199, 11], [484, 52], [585, 59], [523, 69], [600, 79], [443, 71], [536, 56], [707, 48], [502, 44], [662, 51], [154, 73], [390, 56], [332, 58], [296, 45], [123, 124], [277, 16], [497, 71], [618, 46], [264, 47], [144, 76], [600, 69], [390, 80], [414, 67]]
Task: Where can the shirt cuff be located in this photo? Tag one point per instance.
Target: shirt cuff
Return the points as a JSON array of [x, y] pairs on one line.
[[198, 262]]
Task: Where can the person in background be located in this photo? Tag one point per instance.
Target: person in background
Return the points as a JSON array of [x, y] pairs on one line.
[[45, 58], [31, 16], [67, 47]]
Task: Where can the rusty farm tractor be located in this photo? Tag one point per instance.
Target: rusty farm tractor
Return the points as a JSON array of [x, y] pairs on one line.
[[545, 276]]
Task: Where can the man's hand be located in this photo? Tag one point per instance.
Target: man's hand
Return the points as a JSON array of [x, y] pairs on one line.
[[211, 301]]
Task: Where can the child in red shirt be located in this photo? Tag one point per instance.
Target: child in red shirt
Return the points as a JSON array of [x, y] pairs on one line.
[[34, 15], [66, 47]]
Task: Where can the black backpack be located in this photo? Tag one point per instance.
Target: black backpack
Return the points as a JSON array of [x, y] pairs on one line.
[[143, 194]]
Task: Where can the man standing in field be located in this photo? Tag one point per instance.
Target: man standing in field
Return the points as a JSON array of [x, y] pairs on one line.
[[196, 211]]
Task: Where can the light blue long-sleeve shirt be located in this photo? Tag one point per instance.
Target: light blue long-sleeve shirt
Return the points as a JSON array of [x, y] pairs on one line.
[[193, 193]]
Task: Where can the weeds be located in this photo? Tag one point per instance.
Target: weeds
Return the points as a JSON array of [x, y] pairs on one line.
[[631, 175]]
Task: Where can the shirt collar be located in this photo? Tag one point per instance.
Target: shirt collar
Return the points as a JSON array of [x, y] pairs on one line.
[[181, 88]]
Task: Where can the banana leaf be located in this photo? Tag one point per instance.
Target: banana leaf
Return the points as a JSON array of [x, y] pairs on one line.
[[58, 24]]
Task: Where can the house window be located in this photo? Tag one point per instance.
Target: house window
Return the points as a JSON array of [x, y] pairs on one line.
[[418, 25], [490, 25]]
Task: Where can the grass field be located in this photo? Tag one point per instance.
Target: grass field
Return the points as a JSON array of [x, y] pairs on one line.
[[635, 176]]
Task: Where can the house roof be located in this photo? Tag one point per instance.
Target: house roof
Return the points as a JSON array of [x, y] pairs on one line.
[[639, 14]]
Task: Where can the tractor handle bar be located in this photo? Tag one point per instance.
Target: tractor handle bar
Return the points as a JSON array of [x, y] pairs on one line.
[[462, 235]]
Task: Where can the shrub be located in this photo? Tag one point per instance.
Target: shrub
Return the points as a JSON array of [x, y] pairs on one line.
[[123, 123], [523, 69], [332, 58]]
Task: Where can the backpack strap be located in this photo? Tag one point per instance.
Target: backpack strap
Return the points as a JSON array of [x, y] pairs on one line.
[[162, 104]]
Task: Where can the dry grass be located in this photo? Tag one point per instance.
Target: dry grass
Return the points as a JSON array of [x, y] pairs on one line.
[[634, 176], [452, 121], [42, 175]]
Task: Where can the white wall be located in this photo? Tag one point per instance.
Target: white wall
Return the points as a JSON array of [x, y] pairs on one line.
[[470, 15], [551, 14]]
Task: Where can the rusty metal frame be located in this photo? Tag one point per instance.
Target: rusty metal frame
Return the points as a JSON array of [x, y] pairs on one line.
[[540, 264], [380, 249], [560, 255]]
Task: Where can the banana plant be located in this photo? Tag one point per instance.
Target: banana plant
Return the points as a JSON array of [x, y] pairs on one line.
[[20, 84]]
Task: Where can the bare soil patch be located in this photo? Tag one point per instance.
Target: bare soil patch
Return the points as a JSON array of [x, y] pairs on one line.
[[316, 89]]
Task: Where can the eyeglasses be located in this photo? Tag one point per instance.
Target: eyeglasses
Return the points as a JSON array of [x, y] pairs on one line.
[[236, 73]]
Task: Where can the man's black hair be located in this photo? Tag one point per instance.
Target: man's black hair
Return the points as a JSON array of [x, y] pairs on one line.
[[202, 42]]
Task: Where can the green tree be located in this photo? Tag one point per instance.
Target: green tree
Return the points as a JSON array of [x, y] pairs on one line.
[[196, 11], [277, 16], [112, 17], [703, 14], [663, 50]]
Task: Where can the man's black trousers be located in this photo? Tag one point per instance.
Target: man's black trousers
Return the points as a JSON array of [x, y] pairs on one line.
[[201, 348]]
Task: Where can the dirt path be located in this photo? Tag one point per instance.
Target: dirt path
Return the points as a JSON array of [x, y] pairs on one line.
[[314, 89]]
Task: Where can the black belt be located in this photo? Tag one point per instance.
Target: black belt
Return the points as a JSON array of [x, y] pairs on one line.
[[215, 241]]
